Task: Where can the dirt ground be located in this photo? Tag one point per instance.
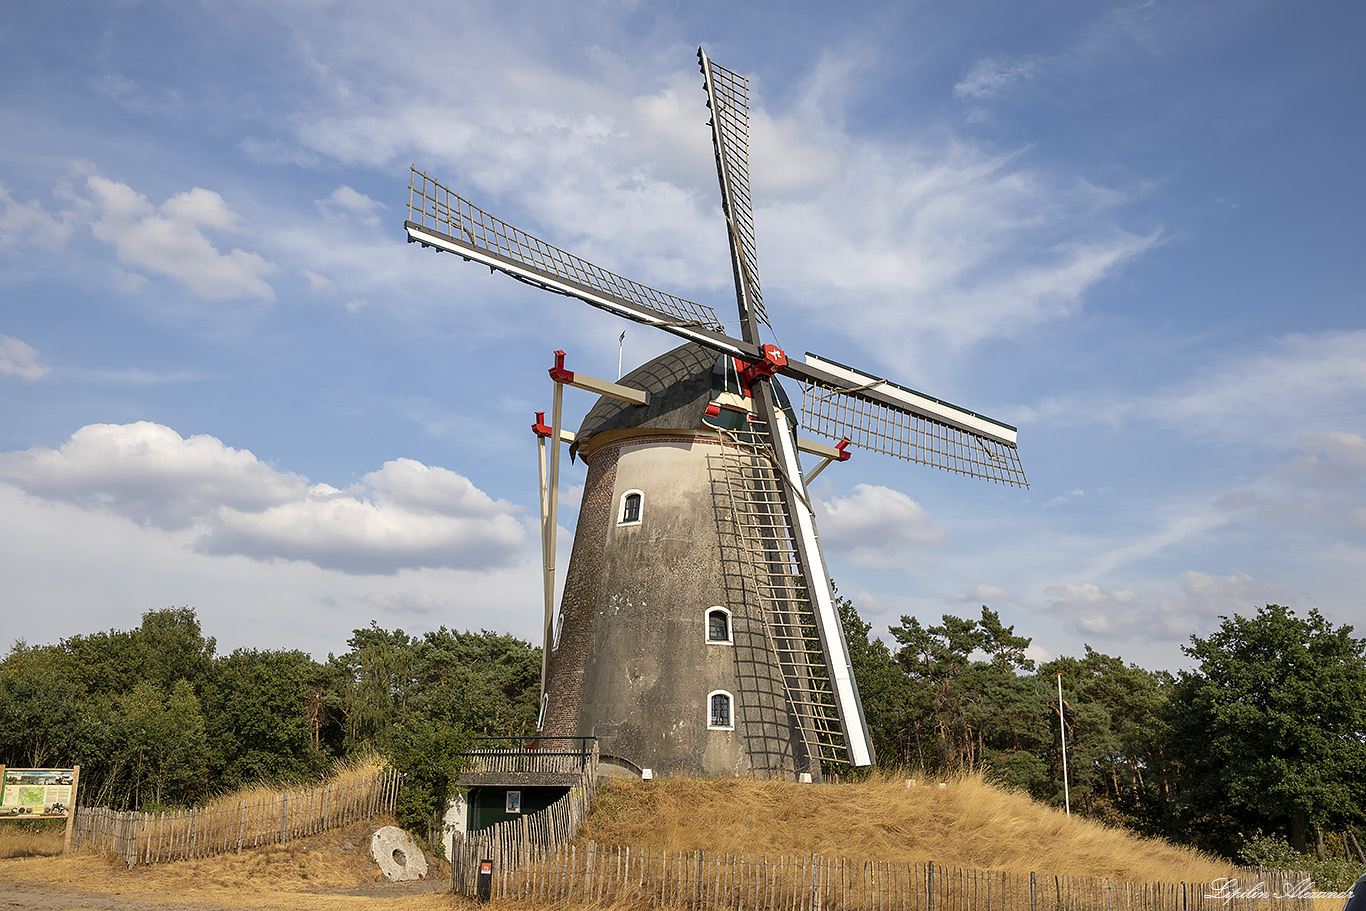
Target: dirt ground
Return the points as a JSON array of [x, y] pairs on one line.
[[329, 872]]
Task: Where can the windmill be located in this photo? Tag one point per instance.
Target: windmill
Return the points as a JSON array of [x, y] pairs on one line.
[[698, 632]]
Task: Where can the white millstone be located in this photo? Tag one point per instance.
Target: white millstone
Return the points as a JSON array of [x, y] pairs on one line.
[[398, 856]]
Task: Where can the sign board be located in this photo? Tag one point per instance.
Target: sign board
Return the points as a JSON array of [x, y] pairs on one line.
[[37, 792]]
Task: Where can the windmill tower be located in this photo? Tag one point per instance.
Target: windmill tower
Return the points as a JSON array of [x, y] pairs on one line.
[[698, 632]]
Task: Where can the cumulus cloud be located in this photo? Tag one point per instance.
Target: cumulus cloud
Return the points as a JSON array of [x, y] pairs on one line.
[[877, 527], [18, 358], [169, 239], [404, 515]]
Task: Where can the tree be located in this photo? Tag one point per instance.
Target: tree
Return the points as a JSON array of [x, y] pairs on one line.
[[888, 702], [1273, 723]]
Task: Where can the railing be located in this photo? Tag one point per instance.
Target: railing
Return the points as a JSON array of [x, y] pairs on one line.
[[546, 755], [145, 838]]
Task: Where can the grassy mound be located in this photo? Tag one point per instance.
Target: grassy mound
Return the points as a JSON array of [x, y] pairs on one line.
[[966, 822]]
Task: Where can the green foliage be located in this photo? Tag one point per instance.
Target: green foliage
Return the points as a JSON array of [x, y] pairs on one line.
[[426, 754], [1272, 852], [1272, 724], [156, 719]]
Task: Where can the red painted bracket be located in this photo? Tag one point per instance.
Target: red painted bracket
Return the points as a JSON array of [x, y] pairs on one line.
[[843, 447], [558, 373], [541, 428], [774, 360]]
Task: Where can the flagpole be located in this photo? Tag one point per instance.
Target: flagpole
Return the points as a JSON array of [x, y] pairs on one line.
[[1062, 729], [620, 341]]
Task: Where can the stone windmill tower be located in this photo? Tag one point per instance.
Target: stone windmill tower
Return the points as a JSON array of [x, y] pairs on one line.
[[698, 632]]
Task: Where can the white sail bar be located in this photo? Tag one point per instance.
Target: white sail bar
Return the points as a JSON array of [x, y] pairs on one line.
[[857, 382], [858, 740]]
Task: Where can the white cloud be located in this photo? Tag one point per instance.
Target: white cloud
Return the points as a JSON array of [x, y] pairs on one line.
[[28, 222], [169, 239], [405, 515], [106, 573], [941, 244], [1185, 523], [1120, 615], [18, 358], [990, 76], [1300, 385], [345, 199], [150, 474], [941, 247], [877, 527]]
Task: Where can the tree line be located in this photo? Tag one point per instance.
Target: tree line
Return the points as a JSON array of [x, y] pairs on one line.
[[1262, 742]]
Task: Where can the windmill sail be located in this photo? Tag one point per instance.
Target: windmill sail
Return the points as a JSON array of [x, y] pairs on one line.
[[442, 219], [846, 404], [728, 98]]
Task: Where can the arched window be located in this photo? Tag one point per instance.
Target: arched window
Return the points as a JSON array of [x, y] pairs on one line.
[[718, 625], [631, 502], [719, 717]]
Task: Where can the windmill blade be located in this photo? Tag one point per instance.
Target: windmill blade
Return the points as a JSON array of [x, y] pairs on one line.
[[443, 220], [728, 98], [840, 402]]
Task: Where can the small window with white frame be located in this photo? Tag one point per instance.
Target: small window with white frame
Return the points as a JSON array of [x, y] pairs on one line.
[[720, 711], [718, 625], [631, 503]]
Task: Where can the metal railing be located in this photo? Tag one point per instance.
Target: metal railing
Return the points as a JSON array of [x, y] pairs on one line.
[[544, 755]]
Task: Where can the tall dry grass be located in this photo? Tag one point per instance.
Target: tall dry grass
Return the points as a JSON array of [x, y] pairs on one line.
[[966, 823], [31, 839], [348, 771]]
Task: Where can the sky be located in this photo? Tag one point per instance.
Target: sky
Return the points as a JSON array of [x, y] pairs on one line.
[[1129, 229]]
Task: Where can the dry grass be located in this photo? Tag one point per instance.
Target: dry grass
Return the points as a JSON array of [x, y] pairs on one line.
[[352, 770], [27, 839], [968, 823], [331, 870]]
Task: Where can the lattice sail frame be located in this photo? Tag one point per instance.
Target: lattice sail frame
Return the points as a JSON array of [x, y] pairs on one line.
[[730, 132], [840, 414], [745, 476], [432, 205]]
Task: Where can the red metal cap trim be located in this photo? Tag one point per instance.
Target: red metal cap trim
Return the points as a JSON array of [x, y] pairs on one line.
[[558, 373]]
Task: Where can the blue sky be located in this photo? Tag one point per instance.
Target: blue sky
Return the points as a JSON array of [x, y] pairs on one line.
[[226, 381]]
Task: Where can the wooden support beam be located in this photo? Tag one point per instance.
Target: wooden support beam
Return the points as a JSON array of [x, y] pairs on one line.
[[626, 394]]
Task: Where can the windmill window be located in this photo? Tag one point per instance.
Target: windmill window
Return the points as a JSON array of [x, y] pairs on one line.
[[719, 716], [718, 625], [631, 502]]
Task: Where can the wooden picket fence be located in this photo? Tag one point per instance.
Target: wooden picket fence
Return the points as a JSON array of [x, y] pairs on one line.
[[588, 874], [147, 838]]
